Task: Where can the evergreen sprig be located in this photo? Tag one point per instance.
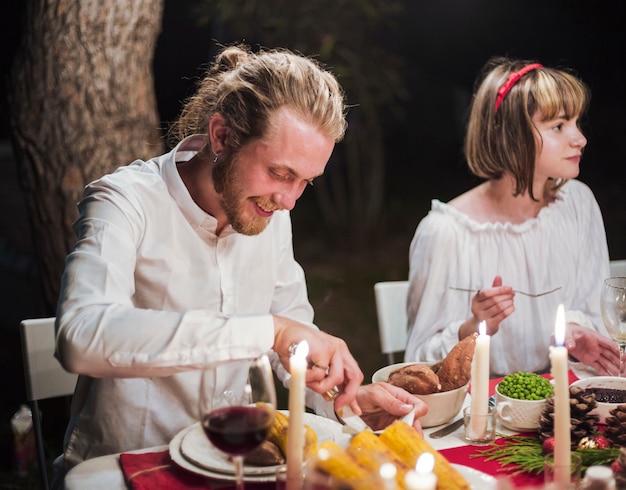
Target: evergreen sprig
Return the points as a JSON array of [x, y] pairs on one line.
[[523, 454]]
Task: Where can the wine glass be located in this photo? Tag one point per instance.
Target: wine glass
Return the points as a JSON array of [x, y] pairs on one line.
[[613, 307], [237, 407]]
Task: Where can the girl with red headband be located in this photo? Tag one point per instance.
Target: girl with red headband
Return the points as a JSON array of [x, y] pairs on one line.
[[529, 228]]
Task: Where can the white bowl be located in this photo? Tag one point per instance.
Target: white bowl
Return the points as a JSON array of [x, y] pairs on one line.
[[442, 407], [518, 415], [612, 382]]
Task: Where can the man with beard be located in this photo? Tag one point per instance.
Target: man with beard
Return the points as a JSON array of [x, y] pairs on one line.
[[186, 261]]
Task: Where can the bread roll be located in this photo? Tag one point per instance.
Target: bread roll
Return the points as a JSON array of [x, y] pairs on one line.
[[418, 379], [456, 368]]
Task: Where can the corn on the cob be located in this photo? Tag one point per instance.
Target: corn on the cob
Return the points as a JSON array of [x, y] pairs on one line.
[[408, 444], [370, 452], [278, 435], [276, 432], [310, 441], [333, 460]]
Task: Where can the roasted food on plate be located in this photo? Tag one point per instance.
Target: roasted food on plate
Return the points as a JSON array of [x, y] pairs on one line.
[[267, 454], [274, 450]]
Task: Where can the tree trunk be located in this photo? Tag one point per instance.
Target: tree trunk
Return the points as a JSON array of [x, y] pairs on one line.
[[82, 104]]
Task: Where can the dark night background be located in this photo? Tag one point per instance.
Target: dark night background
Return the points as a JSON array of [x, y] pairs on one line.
[[445, 43]]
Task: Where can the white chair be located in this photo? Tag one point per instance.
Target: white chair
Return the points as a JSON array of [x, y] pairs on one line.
[[618, 268], [44, 376], [391, 299]]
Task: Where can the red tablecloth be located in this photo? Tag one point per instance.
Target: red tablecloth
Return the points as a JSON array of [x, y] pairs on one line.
[[155, 471]]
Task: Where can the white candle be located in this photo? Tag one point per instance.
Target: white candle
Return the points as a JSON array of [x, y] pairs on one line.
[[388, 472], [562, 434], [422, 478], [480, 382], [295, 431]]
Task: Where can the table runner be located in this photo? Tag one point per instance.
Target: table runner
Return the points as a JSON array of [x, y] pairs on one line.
[[157, 471]]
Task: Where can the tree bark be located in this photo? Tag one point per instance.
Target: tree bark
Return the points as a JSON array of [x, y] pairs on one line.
[[82, 103]]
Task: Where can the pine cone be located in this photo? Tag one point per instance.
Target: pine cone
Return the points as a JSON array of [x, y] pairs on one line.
[[615, 430], [582, 423]]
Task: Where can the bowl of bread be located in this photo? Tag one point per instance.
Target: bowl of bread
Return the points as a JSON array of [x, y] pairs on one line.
[[441, 385]]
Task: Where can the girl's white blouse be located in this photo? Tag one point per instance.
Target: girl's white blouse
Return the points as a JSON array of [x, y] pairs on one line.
[[564, 246]]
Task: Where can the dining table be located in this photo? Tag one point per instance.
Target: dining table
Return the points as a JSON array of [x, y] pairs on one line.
[[153, 467]]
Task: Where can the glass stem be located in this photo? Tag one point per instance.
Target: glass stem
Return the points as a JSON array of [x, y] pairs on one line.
[[238, 463], [622, 353]]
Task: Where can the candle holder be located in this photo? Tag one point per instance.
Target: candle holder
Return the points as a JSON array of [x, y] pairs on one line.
[[480, 429], [562, 478]]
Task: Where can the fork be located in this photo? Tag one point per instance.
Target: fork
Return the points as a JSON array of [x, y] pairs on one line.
[[532, 295]]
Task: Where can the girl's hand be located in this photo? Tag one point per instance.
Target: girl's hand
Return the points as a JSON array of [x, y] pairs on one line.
[[592, 349], [493, 305]]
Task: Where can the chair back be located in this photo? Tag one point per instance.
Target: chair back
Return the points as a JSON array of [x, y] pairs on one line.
[[44, 377], [391, 298], [618, 268]]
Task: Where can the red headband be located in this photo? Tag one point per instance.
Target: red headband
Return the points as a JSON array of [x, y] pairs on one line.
[[512, 80]]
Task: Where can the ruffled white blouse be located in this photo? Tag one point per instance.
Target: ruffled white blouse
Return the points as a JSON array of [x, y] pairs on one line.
[[564, 246]]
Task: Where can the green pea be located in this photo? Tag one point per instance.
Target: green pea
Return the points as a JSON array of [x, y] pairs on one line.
[[525, 386]]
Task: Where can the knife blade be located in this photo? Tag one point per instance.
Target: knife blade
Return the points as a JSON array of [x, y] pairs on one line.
[[448, 429], [353, 424]]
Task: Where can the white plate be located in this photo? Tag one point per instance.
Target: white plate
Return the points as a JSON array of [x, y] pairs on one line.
[[191, 449], [178, 458], [582, 371], [477, 479]]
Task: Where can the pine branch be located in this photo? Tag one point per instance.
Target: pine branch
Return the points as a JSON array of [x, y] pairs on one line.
[[523, 454]]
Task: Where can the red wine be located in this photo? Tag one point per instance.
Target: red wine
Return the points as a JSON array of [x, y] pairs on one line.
[[237, 430]]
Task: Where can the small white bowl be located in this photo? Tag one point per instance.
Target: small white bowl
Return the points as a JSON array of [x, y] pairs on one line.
[[611, 382], [518, 415], [442, 407]]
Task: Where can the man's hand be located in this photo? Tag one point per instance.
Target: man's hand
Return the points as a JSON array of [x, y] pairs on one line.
[[382, 403], [332, 364]]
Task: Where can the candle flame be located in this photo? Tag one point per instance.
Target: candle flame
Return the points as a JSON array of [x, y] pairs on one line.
[[425, 464], [482, 328], [387, 471], [302, 350], [323, 454], [559, 327]]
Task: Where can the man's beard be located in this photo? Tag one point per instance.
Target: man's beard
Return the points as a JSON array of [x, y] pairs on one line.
[[232, 200]]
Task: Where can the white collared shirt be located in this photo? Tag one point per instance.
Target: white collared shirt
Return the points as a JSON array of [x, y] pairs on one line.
[[150, 293]]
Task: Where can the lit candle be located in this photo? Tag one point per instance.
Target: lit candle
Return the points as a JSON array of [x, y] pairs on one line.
[[422, 478], [480, 383], [295, 431], [388, 472], [562, 434]]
